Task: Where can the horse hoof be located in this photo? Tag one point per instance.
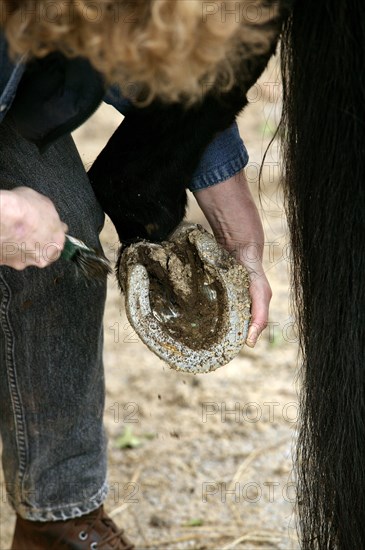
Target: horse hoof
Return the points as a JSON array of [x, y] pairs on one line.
[[187, 299]]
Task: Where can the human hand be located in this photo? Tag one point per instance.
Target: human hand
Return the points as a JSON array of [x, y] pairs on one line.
[[31, 232], [230, 209]]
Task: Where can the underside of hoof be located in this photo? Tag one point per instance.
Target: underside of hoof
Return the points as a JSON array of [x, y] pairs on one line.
[[187, 298]]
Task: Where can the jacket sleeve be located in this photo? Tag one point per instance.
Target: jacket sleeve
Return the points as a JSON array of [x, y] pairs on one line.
[[10, 76], [224, 157]]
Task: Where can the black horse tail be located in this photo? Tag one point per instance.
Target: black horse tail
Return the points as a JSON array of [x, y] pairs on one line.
[[323, 130]]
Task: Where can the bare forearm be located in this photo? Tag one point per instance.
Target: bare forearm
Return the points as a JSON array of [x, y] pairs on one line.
[[230, 209], [233, 216]]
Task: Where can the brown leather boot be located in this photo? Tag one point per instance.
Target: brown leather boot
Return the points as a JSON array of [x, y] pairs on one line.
[[92, 531]]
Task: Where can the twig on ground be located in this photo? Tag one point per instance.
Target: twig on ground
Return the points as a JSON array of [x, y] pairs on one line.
[[241, 469], [255, 536], [164, 542]]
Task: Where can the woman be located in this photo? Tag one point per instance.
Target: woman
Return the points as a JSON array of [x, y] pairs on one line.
[[52, 391]]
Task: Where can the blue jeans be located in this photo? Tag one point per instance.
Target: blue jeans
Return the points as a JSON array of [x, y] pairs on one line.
[[51, 338], [51, 342]]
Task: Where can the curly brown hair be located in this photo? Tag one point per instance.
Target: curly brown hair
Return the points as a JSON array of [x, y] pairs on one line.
[[171, 47]]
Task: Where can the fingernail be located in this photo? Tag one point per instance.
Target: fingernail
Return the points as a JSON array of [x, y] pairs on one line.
[[251, 337]]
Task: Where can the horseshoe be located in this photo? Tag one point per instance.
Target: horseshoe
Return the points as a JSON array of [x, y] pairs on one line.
[[187, 299]]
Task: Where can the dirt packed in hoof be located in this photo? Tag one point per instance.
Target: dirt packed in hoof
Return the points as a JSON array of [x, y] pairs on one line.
[[183, 290], [203, 462]]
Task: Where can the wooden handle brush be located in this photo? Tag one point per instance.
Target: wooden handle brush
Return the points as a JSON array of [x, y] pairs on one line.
[[89, 261]]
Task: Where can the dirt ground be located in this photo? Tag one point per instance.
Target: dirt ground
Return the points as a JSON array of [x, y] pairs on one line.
[[211, 460]]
